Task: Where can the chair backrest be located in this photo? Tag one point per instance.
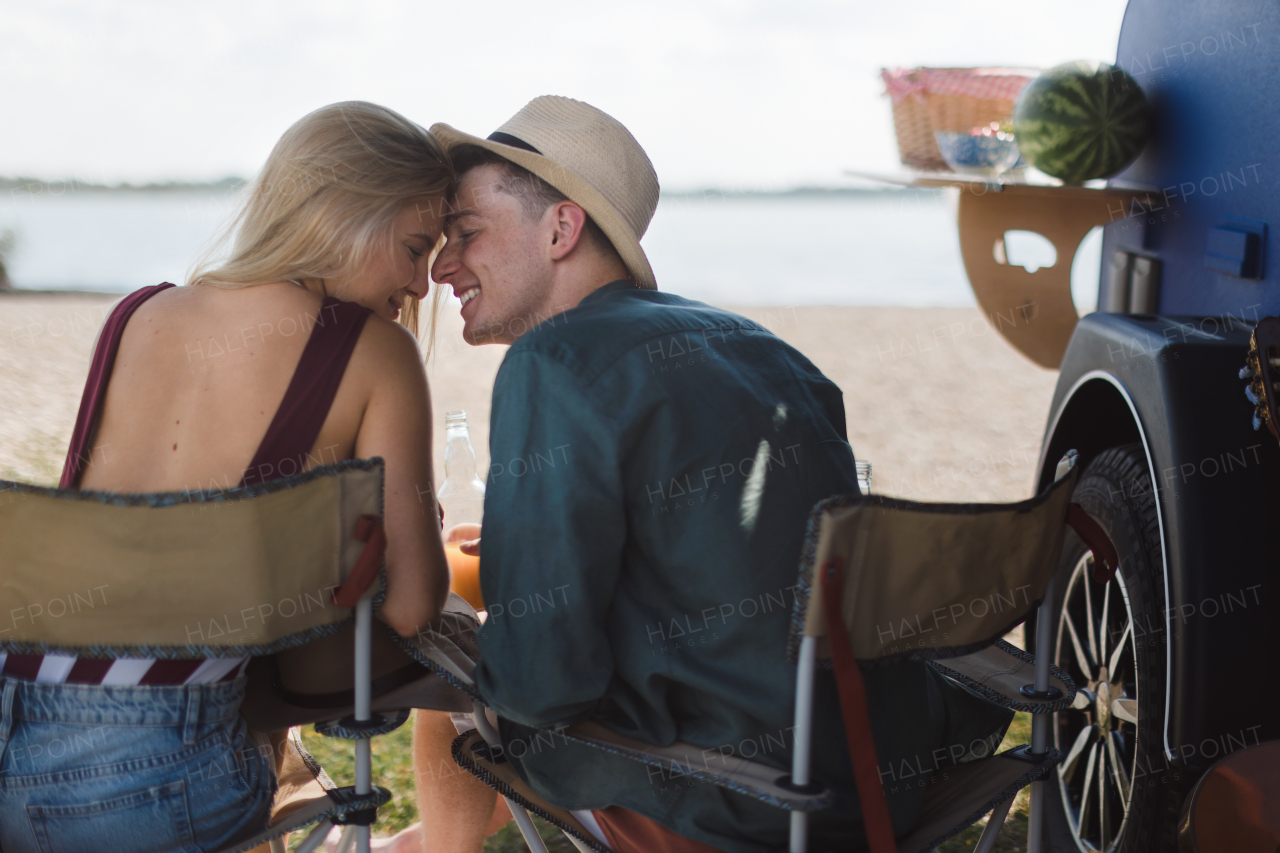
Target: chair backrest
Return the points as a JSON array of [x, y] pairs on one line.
[[925, 581], [249, 571]]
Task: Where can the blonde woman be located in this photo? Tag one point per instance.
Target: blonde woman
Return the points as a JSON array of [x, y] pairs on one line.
[[284, 356]]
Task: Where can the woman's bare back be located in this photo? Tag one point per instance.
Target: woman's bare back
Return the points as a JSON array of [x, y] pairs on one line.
[[198, 378]]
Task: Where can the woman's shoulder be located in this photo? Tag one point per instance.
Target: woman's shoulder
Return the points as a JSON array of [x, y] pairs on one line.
[[208, 326], [278, 304], [386, 346]]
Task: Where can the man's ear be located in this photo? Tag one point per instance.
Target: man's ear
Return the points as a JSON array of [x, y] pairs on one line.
[[568, 221]]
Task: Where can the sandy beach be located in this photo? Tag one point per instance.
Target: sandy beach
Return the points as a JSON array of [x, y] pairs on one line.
[[939, 404]]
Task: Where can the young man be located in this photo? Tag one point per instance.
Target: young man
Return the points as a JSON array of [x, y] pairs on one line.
[[655, 460]]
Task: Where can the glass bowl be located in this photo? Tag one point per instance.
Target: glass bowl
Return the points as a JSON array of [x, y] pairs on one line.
[[982, 156]]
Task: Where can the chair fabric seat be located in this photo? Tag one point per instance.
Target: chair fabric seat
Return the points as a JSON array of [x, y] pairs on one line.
[[1000, 671], [964, 793]]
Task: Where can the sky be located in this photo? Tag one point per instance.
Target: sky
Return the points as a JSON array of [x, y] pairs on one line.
[[729, 94]]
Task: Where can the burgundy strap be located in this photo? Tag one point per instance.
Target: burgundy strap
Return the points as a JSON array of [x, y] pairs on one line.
[[23, 667], [294, 429], [857, 722], [1105, 558], [369, 531], [170, 671], [95, 387], [89, 670]]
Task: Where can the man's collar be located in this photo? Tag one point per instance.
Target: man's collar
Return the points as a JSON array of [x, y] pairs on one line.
[[611, 287]]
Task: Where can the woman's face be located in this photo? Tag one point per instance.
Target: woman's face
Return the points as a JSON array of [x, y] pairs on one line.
[[390, 279]]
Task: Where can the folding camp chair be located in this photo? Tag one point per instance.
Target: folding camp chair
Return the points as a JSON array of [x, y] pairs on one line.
[[876, 574], [289, 571]]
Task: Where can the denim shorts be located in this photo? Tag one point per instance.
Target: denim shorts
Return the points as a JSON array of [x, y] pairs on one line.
[[104, 769]]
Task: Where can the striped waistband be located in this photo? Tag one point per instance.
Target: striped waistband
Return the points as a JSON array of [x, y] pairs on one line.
[[137, 705], [56, 668]]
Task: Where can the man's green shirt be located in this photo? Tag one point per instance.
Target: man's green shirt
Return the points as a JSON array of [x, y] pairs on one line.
[[653, 464]]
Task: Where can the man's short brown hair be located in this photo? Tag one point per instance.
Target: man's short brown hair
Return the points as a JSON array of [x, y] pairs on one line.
[[534, 194]]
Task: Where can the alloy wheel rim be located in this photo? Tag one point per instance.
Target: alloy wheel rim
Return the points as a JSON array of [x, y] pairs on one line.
[[1098, 734]]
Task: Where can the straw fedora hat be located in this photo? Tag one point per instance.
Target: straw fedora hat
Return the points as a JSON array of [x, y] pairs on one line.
[[589, 157]]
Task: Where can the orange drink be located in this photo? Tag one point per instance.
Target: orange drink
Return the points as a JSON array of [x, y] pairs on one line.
[[466, 575]]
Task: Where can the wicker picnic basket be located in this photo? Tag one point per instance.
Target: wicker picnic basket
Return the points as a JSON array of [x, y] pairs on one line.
[[955, 99]]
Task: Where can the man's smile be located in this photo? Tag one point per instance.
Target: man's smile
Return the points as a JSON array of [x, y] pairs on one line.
[[467, 295]]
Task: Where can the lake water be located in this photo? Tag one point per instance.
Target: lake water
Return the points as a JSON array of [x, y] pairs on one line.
[[890, 248]]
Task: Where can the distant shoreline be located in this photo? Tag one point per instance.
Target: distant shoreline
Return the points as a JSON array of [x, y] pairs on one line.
[[24, 291], [18, 186], [806, 193], [41, 186]]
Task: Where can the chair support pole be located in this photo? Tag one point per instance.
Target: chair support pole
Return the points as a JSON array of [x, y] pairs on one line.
[[527, 829], [347, 840], [799, 832], [1035, 822], [1040, 723], [804, 739], [363, 703], [316, 837], [994, 824], [1044, 634], [486, 729]]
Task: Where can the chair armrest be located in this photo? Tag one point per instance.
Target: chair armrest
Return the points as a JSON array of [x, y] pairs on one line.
[[448, 646], [471, 753], [760, 781]]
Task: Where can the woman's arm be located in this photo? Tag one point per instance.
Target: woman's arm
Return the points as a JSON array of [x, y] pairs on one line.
[[397, 427]]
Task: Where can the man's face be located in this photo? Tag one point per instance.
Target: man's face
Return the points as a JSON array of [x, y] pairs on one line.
[[496, 260]]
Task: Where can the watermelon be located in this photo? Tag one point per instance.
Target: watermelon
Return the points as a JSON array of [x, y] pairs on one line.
[[1081, 120]]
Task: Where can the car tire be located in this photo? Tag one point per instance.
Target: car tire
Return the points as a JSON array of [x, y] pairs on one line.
[[1114, 791]]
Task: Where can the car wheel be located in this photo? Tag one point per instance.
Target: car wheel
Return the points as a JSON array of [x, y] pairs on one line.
[[1114, 792]]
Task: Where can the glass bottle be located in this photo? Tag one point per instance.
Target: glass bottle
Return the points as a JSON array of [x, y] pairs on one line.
[[462, 497], [462, 492]]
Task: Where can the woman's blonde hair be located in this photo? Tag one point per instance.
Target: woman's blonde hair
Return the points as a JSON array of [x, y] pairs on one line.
[[324, 203]]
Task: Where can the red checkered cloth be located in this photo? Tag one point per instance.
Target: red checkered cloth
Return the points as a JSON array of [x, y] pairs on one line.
[[995, 84]]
